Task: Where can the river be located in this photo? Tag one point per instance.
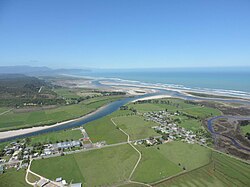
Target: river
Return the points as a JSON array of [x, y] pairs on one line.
[[112, 107], [211, 129]]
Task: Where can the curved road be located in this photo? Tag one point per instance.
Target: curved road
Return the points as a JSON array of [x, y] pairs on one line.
[[211, 129]]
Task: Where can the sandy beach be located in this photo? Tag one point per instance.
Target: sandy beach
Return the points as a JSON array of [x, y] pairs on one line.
[[153, 97]]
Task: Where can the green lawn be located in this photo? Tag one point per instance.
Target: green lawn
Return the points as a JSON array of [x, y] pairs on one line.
[[223, 171], [12, 177], [13, 120], [160, 163], [56, 136], [102, 167], [136, 126]]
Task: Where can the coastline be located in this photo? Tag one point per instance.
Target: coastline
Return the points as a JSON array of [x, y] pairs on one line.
[[174, 87]]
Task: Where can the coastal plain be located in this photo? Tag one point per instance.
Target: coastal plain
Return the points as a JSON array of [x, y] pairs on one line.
[[117, 149]]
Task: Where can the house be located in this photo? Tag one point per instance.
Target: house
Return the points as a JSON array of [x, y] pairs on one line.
[[76, 185], [66, 145], [59, 179]]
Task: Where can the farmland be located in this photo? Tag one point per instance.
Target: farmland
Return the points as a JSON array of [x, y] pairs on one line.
[[86, 166], [13, 178], [165, 160], [104, 130], [54, 137], [41, 116], [221, 171], [174, 163], [136, 126]]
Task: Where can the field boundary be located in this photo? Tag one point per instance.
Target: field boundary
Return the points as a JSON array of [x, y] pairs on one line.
[[183, 172], [129, 142]]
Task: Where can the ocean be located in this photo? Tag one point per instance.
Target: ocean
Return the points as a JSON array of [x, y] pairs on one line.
[[235, 82]]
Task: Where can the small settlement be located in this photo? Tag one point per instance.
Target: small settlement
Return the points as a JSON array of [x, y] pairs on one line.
[[170, 130], [18, 154]]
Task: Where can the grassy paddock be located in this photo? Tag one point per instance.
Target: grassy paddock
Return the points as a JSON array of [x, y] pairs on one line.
[[101, 167], [136, 126], [53, 137], [104, 130], [222, 171], [13, 178], [163, 161]]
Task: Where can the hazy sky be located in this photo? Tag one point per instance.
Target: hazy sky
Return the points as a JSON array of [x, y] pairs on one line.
[[125, 33]]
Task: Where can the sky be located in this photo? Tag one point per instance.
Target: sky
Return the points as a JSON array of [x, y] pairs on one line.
[[125, 33]]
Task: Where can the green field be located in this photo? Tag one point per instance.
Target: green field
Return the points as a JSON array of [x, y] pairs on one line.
[[104, 130], [3, 109], [104, 167], [162, 162], [53, 137], [66, 93], [13, 178], [136, 126], [222, 171], [14, 120], [189, 124], [202, 112]]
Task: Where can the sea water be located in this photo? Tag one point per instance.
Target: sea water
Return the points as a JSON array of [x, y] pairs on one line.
[[228, 81]]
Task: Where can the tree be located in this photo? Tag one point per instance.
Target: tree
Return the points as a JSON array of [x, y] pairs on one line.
[[27, 140], [165, 137]]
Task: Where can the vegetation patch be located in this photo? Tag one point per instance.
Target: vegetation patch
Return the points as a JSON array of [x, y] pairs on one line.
[[12, 177], [102, 167], [136, 126], [221, 171], [15, 120], [55, 137], [162, 161]]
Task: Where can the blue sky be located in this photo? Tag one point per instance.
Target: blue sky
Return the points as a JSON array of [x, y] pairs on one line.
[[125, 33]]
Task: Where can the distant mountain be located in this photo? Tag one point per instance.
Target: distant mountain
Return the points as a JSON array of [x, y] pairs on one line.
[[30, 70]]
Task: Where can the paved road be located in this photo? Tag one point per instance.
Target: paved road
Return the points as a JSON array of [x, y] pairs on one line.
[[234, 141]]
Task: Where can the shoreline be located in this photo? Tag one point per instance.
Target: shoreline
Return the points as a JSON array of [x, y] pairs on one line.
[[184, 92], [238, 94], [153, 97]]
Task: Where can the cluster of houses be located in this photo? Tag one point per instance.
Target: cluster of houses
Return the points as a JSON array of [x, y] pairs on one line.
[[17, 155], [151, 141], [170, 129]]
